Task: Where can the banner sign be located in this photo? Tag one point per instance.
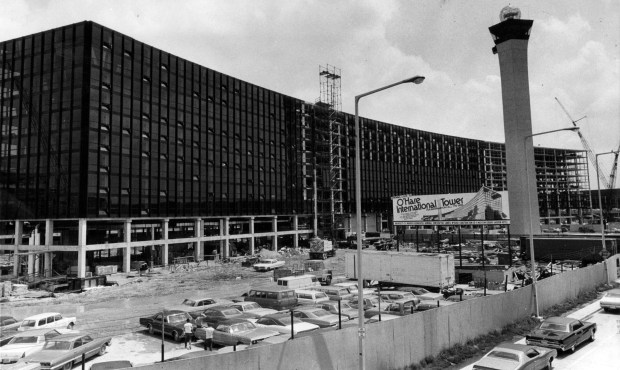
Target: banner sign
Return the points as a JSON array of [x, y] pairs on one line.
[[486, 207]]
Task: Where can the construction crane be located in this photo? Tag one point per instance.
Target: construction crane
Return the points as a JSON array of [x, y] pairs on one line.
[[586, 146]]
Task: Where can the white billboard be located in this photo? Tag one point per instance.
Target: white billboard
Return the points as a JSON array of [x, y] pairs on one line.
[[487, 206]]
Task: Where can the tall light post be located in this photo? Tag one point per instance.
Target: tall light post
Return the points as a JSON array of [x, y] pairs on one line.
[[529, 207], [358, 213], [600, 203]]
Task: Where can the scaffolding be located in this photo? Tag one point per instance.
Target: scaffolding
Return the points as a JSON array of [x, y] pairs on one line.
[[332, 133]]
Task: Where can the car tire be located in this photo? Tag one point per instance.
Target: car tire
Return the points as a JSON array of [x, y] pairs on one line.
[[102, 350], [151, 329], [592, 334], [70, 326], [549, 364], [606, 309], [176, 336], [67, 366]]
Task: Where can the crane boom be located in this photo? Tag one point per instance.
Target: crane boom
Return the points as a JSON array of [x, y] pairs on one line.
[[586, 146], [614, 169]]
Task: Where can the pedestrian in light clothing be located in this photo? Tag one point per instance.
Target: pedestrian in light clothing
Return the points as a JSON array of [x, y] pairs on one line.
[[209, 338], [187, 330]]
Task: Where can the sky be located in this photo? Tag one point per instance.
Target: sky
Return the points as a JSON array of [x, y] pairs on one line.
[[573, 55]]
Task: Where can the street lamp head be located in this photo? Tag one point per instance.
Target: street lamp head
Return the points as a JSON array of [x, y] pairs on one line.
[[416, 80]]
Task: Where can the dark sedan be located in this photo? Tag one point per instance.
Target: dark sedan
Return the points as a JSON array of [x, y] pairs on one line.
[[561, 333], [64, 351], [170, 321], [214, 315]]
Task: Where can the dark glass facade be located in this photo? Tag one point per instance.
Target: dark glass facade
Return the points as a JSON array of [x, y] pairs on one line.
[[97, 124]]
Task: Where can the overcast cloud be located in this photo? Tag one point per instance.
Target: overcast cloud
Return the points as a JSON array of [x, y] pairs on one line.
[[573, 54]]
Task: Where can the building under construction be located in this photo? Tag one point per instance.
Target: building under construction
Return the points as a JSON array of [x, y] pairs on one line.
[[113, 149]]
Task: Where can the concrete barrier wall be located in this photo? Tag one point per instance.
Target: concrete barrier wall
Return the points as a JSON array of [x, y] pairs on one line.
[[398, 343]]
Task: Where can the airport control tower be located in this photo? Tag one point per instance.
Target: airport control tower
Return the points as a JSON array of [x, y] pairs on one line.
[[511, 36]]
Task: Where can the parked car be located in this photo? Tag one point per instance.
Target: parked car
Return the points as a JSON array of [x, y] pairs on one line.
[[384, 317], [425, 295], [611, 300], [281, 322], [7, 335], [397, 295], [194, 305], [561, 333], [317, 316], [400, 307], [267, 264], [111, 365], [26, 343], [253, 309], [65, 350], [214, 315], [231, 332], [370, 301], [47, 320], [310, 297], [353, 287], [518, 357], [275, 297], [8, 322], [171, 320], [345, 309]]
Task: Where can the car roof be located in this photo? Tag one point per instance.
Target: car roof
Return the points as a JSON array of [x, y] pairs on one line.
[[276, 288], [513, 346], [42, 315], [232, 321], [277, 315], [171, 312], [198, 298], [560, 320], [68, 337], [35, 332], [296, 277], [307, 308], [221, 308]]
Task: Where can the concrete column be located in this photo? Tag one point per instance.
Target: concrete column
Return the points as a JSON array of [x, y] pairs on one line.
[[49, 242], [199, 253], [17, 238], [164, 252], [252, 238], [274, 244], [296, 228], [127, 248], [34, 267], [225, 232], [81, 260]]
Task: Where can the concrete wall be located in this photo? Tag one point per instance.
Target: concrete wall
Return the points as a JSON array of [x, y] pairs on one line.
[[398, 343]]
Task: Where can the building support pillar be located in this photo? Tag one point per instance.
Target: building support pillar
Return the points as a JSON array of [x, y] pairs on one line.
[[49, 242], [81, 260], [17, 238], [199, 253], [252, 238], [127, 248], [224, 233], [296, 235], [164, 232], [274, 244]]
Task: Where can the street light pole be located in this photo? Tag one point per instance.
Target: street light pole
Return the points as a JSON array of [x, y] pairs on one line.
[[358, 214], [529, 207], [600, 203]]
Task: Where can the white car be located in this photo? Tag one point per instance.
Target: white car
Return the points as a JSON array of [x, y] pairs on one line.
[[47, 320], [253, 308], [611, 300], [425, 295], [26, 343], [268, 264]]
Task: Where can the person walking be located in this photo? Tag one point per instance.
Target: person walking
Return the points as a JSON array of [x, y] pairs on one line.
[[209, 338], [188, 332]]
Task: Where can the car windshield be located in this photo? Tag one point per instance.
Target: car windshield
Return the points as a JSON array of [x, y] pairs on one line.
[[28, 323], [266, 261], [419, 291], [504, 355], [344, 305], [180, 317], [321, 295], [613, 295], [554, 327], [60, 345], [19, 340], [189, 302], [287, 320], [320, 313], [252, 306], [242, 326], [231, 312]]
